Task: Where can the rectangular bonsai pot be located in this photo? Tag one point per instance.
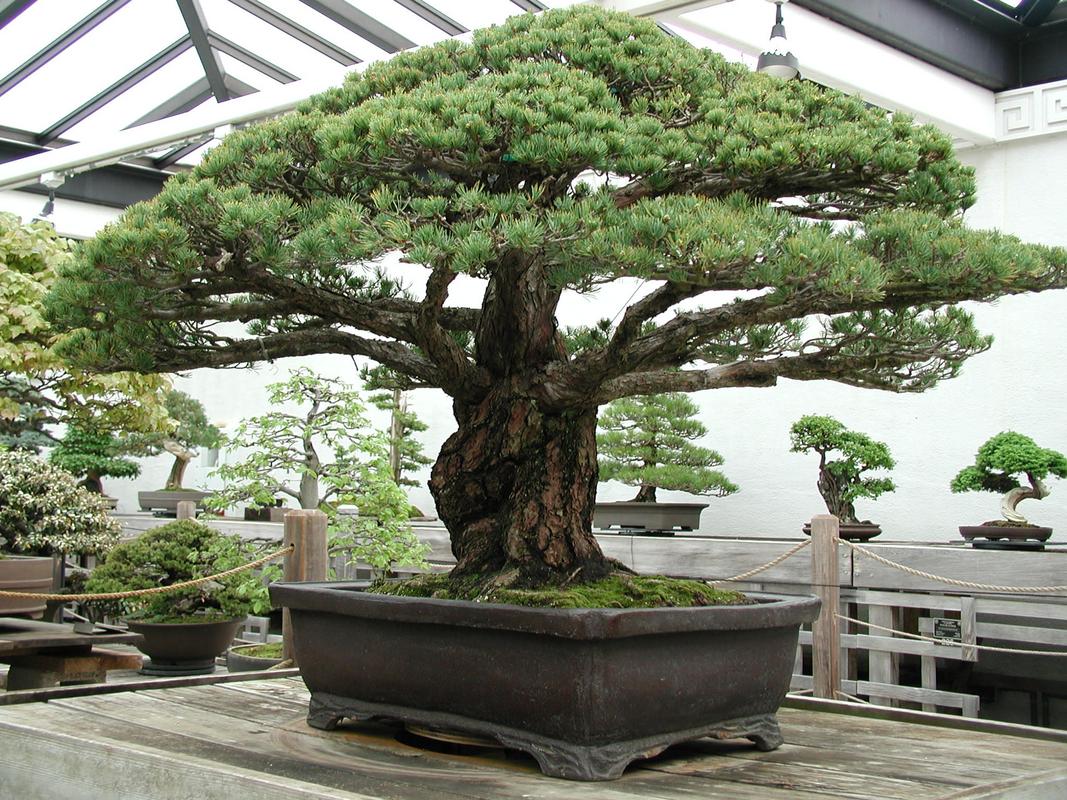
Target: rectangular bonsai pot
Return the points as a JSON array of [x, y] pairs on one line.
[[650, 516], [585, 691], [164, 500]]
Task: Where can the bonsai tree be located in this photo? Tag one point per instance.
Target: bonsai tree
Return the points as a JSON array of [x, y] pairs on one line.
[[998, 467], [187, 430], [554, 153], [841, 479], [43, 510], [648, 442], [173, 553], [93, 453], [325, 456], [405, 451], [38, 387]]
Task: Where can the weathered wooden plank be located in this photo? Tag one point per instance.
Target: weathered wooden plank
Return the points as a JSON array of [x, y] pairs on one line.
[[989, 567], [914, 694]]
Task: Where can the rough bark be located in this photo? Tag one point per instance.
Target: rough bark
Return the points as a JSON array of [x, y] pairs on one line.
[[833, 495], [515, 485], [182, 457], [646, 494], [1008, 505]]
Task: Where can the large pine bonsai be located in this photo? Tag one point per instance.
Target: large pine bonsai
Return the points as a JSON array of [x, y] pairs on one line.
[[649, 442], [559, 151]]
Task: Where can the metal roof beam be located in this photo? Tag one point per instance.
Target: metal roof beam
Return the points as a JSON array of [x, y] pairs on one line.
[[9, 9], [529, 5], [298, 32], [932, 32], [433, 16], [1033, 12], [185, 100], [94, 104], [61, 43], [209, 59], [223, 45], [364, 26]]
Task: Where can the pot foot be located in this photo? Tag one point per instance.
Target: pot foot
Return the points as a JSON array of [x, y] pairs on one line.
[[556, 758]]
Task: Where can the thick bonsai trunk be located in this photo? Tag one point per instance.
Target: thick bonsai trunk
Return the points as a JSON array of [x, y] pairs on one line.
[[177, 474], [646, 494], [515, 486], [833, 495], [1008, 505], [91, 482]]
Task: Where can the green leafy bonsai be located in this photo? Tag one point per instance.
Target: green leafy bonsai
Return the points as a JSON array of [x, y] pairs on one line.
[[325, 456], [39, 387], [405, 451], [841, 479], [188, 429], [43, 510], [554, 153], [174, 553], [92, 453], [998, 467], [648, 442]]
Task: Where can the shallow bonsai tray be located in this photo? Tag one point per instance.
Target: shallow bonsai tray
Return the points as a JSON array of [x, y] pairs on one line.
[[584, 691]]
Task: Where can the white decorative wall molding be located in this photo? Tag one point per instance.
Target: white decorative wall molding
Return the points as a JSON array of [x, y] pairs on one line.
[[1034, 111]]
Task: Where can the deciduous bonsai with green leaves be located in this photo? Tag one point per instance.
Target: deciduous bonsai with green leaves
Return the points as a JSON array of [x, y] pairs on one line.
[[648, 442], [999, 466], [841, 478], [38, 387], [325, 454], [783, 229]]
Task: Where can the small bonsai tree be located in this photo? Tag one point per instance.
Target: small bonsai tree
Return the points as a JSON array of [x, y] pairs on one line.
[[177, 552], [43, 510], [841, 479], [92, 453], [648, 442], [997, 468], [188, 430], [405, 451], [335, 457]]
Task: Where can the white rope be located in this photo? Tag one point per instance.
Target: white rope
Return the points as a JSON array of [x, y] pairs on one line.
[[988, 587], [773, 562], [953, 642]]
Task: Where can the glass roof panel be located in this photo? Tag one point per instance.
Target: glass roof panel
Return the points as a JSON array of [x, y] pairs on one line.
[[476, 15], [91, 64], [38, 26], [404, 22], [246, 74], [133, 104], [326, 28]]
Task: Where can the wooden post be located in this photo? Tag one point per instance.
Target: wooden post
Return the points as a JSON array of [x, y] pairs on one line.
[[186, 509], [825, 639], [306, 531]]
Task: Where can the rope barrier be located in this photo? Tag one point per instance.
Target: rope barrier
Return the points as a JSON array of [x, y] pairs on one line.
[[988, 587], [773, 562], [953, 642], [155, 589]]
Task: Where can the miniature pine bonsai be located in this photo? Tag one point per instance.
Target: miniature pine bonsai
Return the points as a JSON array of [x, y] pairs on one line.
[[841, 479], [93, 453], [188, 430], [557, 152], [648, 442], [998, 467]]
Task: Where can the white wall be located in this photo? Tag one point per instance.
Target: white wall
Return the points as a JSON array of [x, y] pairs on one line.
[[1018, 385]]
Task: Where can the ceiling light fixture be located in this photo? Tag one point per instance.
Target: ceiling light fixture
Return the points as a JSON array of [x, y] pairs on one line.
[[777, 60]]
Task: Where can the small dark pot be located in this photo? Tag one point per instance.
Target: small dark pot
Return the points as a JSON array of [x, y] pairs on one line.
[[852, 532], [25, 574], [584, 691], [238, 661], [1014, 533], [184, 648]]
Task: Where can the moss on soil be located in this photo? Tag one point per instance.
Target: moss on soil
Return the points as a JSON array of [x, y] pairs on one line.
[[617, 591], [271, 650]]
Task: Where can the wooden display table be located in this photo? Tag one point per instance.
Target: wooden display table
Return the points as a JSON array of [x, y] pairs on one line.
[[43, 654]]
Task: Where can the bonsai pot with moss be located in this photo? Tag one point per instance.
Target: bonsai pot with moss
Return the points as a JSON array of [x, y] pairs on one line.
[[841, 479], [585, 691], [186, 629], [998, 467], [253, 657]]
